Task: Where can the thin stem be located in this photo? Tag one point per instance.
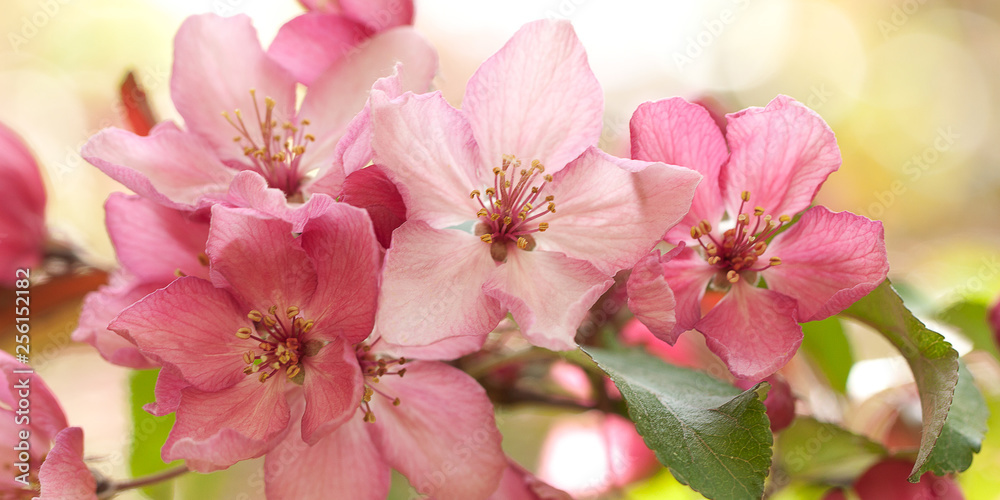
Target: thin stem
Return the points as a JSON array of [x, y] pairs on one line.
[[152, 479]]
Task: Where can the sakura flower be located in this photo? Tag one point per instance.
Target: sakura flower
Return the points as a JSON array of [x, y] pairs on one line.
[[22, 224], [777, 159], [428, 420], [239, 108], [482, 186], [36, 440], [154, 245], [274, 323]]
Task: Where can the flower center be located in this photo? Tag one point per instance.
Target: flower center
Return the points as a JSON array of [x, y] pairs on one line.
[[278, 156], [512, 205], [374, 368], [279, 343], [739, 248]]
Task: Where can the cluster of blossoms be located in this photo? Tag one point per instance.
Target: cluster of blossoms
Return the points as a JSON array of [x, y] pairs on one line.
[[302, 273]]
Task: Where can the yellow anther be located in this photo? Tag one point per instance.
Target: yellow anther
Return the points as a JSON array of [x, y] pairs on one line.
[[475, 192], [267, 346], [743, 218], [713, 260], [395, 402], [253, 93], [272, 310], [506, 184], [550, 198], [732, 276], [784, 218], [490, 192], [269, 102], [401, 372], [368, 394], [521, 242], [305, 122], [758, 211], [696, 233], [507, 220], [293, 370], [494, 216], [552, 207], [239, 114], [705, 226], [269, 321], [759, 247], [292, 312], [264, 376], [369, 417], [542, 226], [482, 212], [179, 273], [244, 333], [255, 316], [487, 238], [310, 138], [548, 178], [237, 139], [249, 357], [745, 196], [308, 326], [775, 261]]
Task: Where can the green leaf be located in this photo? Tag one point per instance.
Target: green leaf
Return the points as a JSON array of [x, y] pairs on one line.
[[933, 361], [814, 451], [963, 431], [149, 434], [970, 318], [827, 346], [712, 437]]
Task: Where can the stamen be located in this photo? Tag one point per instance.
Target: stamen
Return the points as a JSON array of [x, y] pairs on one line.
[[732, 276]]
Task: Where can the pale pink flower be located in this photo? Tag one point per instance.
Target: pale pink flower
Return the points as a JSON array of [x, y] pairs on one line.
[[22, 221], [428, 420], [154, 245], [776, 160], [239, 109], [275, 323], [64, 475], [482, 185], [519, 484]]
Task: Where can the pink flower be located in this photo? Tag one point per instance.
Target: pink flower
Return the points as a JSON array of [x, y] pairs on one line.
[[376, 15], [154, 245], [482, 185], [275, 324], [426, 419], [994, 321], [33, 429], [519, 484], [239, 107], [22, 224], [886, 480], [777, 159]]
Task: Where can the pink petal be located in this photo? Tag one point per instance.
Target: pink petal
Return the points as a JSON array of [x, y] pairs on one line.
[[173, 168], [342, 91], [519, 484], [259, 259], [370, 189], [152, 241], [781, 154], [444, 349], [354, 150], [250, 190], [753, 330], [191, 325], [217, 60], [344, 465], [452, 263], [64, 475], [310, 43], [47, 417], [611, 212], [217, 429], [651, 300], [677, 132], [548, 293], [426, 147], [168, 391], [536, 98], [444, 453], [333, 389], [100, 308], [688, 275], [828, 261], [379, 15], [22, 219], [347, 258]]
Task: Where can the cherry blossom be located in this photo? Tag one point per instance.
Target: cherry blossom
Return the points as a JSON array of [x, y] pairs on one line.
[[22, 226]]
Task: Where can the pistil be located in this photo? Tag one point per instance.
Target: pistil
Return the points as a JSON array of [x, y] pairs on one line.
[[512, 206]]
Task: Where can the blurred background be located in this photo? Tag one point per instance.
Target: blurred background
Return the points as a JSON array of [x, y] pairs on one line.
[[911, 88]]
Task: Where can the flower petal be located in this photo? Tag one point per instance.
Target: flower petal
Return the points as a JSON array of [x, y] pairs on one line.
[[47, 417], [169, 384], [100, 308], [677, 132], [688, 275], [342, 247], [454, 265], [519, 484], [611, 212], [22, 223], [379, 15], [651, 300], [191, 325], [173, 168], [345, 465], [342, 91], [548, 293], [828, 261], [217, 429], [310, 43], [370, 189], [444, 454], [333, 388], [426, 148], [536, 98], [217, 61], [753, 330], [152, 241], [64, 475], [259, 259], [781, 154]]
